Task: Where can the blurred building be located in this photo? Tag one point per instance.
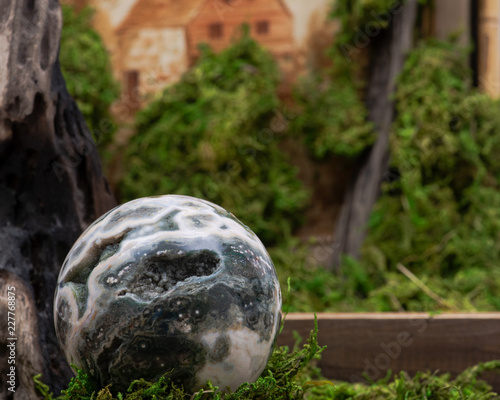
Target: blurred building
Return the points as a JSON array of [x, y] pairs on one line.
[[159, 39], [153, 42]]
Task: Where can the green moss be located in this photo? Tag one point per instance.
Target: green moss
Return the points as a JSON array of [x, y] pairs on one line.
[[316, 289], [332, 119], [423, 386], [86, 66], [440, 214], [354, 15], [216, 135]]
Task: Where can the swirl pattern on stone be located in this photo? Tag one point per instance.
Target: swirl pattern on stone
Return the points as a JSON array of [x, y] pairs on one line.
[[169, 284]]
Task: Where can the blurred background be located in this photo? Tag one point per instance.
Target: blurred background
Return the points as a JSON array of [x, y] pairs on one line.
[[360, 139]]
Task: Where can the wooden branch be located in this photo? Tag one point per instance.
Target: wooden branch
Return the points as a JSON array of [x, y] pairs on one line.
[[372, 343], [23, 353], [388, 51], [489, 40], [438, 299]]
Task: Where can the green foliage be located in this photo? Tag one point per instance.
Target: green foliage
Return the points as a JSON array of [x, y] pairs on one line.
[[287, 376], [363, 16], [42, 388], [440, 215], [213, 135], [79, 389], [425, 385], [87, 71], [314, 288], [332, 118]]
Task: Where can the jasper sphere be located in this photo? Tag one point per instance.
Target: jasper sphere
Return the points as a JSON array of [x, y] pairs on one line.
[[169, 284]]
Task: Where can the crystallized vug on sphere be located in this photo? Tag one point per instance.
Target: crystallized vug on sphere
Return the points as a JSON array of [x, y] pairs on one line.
[[168, 284]]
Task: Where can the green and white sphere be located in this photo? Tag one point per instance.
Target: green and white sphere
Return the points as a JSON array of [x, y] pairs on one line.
[[168, 284]]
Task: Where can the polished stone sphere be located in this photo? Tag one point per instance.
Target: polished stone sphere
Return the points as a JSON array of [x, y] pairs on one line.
[[169, 284]]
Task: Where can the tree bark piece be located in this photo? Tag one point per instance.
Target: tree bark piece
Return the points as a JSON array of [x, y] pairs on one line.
[[51, 182], [23, 353], [388, 53]]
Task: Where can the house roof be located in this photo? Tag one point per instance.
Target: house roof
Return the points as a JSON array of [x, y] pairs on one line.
[[160, 13], [164, 13], [285, 8]]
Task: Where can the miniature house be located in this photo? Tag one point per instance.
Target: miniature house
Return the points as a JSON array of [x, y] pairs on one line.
[[159, 39], [153, 42]]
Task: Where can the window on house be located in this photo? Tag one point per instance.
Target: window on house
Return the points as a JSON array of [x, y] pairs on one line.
[[262, 27], [215, 31]]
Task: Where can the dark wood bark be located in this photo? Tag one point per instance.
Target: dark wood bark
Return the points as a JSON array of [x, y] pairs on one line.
[[388, 51], [51, 187]]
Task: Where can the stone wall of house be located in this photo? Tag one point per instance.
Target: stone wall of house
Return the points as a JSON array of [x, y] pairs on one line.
[[157, 56]]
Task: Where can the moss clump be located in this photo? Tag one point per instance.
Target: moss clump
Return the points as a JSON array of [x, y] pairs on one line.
[[423, 386], [332, 119], [439, 213], [316, 289], [215, 135], [86, 67]]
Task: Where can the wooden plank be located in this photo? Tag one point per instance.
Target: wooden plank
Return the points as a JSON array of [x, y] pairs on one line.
[[451, 17], [489, 41], [372, 343]]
